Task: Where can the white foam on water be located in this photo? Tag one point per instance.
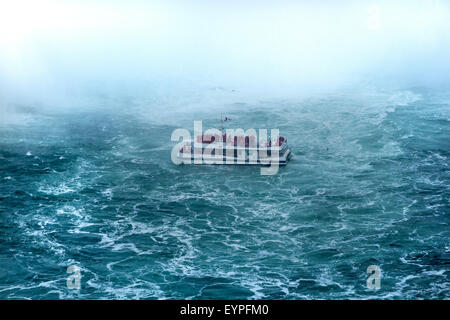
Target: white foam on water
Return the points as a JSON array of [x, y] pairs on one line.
[[61, 189], [404, 98]]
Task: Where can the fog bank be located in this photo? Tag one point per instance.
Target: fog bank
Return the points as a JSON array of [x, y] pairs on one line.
[[56, 51]]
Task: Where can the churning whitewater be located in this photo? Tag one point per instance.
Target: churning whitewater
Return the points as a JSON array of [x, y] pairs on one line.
[[95, 188]]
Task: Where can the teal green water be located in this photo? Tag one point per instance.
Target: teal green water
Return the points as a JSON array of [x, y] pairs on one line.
[[368, 185]]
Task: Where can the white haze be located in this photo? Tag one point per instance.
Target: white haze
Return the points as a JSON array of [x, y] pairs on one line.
[[66, 49]]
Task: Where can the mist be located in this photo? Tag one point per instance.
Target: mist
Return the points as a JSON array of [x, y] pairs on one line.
[[58, 51], [352, 96]]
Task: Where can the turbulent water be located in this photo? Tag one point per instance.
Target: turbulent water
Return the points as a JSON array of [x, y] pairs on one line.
[[94, 187]]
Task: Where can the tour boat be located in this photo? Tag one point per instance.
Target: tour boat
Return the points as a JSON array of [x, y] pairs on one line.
[[245, 150]]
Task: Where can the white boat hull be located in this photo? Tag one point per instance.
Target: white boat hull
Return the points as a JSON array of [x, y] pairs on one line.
[[188, 158]]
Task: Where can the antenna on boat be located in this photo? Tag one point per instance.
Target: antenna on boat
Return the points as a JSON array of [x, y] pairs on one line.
[[221, 122]]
